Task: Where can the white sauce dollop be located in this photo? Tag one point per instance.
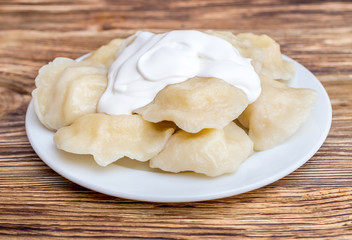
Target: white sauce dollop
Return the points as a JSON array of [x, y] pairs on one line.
[[152, 61]]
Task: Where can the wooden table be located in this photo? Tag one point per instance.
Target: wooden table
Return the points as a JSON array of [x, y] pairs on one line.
[[36, 203]]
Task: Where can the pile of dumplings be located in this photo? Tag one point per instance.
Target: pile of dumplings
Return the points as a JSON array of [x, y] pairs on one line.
[[204, 125]]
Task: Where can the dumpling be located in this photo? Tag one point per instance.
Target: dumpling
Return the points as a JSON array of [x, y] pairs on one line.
[[264, 52], [277, 113], [66, 90], [106, 53], [212, 152], [226, 35], [196, 104], [266, 55], [109, 138]]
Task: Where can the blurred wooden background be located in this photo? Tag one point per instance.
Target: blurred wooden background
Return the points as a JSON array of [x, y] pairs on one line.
[[36, 203]]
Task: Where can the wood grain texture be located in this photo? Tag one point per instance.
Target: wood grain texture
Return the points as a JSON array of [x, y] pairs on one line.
[[314, 202]]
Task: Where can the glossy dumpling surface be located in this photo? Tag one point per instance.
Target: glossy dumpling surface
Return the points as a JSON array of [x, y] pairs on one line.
[[266, 55], [109, 138], [264, 52], [196, 104], [277, 113], [66, 90], [106, 53], [212, 152]]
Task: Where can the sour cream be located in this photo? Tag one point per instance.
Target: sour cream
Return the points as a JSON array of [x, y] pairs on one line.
[[152, 61]]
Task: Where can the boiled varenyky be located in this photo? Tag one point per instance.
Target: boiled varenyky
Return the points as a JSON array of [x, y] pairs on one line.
[[206, 120]]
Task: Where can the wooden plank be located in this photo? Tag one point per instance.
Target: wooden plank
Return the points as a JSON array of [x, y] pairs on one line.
[[36, 203]]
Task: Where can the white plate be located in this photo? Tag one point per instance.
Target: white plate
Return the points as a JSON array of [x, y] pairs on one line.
[[134, 180]]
